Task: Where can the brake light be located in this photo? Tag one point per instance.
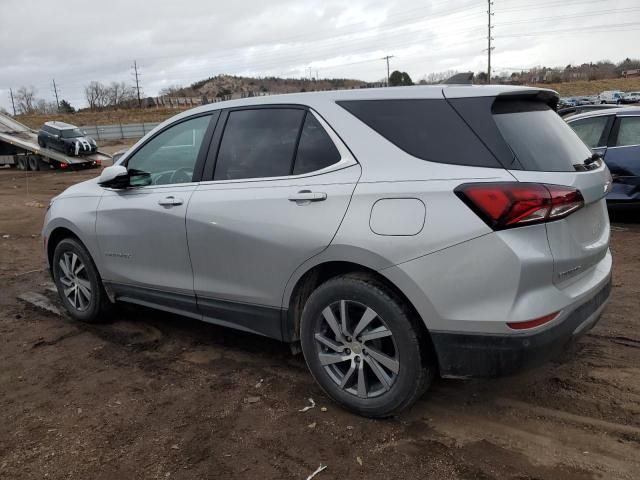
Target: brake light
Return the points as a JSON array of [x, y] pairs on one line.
[[513, 204]]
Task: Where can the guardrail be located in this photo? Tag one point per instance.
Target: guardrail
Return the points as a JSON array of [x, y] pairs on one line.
[[119, 131]]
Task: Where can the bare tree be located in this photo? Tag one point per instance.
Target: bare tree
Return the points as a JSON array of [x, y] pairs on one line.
[[25, 99], [119, 93], [42, 106], [97, 95], [172, 91]]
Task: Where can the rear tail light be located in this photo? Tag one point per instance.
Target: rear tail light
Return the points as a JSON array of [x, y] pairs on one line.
[[513, 204]]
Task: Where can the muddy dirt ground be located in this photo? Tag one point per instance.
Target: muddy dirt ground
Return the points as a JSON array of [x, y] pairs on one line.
[[153, 395]]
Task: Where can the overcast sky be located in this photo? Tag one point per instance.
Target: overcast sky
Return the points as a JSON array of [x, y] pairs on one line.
[[179, 42]]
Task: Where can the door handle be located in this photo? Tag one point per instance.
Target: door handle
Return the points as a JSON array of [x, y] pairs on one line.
[[305, 196], [170, 201]]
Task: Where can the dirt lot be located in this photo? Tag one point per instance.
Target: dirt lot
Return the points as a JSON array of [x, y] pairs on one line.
[[157, 396]]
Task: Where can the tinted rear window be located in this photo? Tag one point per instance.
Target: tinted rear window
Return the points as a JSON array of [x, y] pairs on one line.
[[538, 137], [427, 129]]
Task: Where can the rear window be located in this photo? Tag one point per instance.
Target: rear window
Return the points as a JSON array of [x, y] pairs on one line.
[[429, 129], [538, 137]]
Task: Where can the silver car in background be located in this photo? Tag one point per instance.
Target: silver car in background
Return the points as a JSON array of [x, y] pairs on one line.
[[394, 233]]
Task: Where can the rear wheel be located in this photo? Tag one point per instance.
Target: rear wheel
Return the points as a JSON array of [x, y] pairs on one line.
[[78, 282], [22, 163], [363, 346]]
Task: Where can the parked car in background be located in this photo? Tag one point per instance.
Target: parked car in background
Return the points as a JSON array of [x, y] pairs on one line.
[[565, 102], [585, 101], [66, 138], [611, 96], [393, 233], [631, 97], [615, 135], [567, 111]]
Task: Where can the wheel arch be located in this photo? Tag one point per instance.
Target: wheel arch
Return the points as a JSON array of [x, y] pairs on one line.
[[321, 272], [56, 236]]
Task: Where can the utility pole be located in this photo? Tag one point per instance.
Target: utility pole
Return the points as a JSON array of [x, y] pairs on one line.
[[135, 70], [55, 91], [387, 59], [489, 39], [13, 104]]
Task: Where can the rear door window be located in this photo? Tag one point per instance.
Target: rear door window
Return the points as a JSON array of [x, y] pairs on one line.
[[316, 150], [628, 132], [258, 143], [538, 137], [591, 130]]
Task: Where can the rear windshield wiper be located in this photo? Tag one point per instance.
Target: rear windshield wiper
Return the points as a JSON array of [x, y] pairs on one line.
[[592, 159], [588, 164]]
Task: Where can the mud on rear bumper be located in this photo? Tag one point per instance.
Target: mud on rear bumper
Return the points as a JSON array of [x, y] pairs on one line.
[[477, 355]]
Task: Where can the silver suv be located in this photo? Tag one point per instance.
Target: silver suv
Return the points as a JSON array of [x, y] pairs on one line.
[[395, 234]]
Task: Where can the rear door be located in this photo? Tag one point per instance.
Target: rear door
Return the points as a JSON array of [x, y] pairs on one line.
[[279, 187], [542, 148], [623, 159], [594, 131]]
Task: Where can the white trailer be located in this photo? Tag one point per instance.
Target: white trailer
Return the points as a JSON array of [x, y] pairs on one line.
[[19, 148]]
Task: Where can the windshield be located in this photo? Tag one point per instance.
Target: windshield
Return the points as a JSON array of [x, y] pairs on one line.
[[72, 133]]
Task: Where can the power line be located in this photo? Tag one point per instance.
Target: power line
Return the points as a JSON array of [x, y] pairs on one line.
[[135, 69], [55, 91], [489, 39], [12, 102], [387, 57]]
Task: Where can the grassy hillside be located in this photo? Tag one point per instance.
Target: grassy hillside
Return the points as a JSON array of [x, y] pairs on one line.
[[594, 87], [101, 118]]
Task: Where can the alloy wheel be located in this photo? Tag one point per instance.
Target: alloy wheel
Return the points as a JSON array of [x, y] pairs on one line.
[[76, 286], [356, 349]]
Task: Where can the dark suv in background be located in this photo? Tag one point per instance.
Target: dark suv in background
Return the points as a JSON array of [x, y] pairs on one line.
[[66, 138]]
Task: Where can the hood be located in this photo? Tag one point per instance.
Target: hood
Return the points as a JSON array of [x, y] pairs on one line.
[[82, 140], [88, 188]]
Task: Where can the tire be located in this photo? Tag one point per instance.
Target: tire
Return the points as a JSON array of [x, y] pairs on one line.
[[34, 163], [22, 163], [80, 272], [393, 381]]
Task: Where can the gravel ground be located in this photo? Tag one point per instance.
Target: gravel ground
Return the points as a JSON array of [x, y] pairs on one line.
[[152, 395]]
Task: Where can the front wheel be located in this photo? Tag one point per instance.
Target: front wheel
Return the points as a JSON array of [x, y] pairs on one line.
[[78, 282], [363, 346]]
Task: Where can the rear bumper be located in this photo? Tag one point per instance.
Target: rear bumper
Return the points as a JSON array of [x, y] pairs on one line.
[[480, 355]]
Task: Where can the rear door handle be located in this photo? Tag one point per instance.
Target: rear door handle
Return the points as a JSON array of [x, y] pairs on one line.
[[170, 201], [305, 196]]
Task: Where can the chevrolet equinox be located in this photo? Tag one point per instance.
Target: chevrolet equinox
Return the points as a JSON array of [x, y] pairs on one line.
[[393, 234]]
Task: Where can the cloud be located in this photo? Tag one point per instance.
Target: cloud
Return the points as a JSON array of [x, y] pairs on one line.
[[76, 42]]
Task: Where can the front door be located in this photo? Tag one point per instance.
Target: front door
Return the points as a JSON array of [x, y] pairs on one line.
[[141, 229], [281, 187]]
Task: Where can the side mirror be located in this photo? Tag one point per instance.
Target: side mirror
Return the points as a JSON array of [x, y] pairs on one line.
[[115, 176]]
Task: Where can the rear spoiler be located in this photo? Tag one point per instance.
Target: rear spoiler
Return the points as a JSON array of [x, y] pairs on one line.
[[549, 97]]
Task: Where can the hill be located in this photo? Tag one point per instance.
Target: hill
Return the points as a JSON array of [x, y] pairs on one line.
[[222, 86], [594, 87]]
